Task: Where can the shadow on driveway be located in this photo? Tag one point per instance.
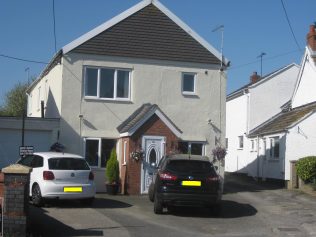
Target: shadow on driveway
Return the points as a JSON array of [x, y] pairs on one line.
[[230, 209], [41, 224], [235, 183]]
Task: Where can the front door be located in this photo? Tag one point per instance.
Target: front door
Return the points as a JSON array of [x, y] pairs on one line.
[[154, 149]]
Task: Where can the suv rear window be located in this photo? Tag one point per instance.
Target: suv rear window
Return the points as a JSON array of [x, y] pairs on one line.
[[190, 166], [67, 164]]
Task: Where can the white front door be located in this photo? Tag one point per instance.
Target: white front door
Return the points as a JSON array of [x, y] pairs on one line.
[[154, 149]]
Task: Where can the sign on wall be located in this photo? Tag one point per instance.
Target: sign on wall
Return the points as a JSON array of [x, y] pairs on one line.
[[26, 150]]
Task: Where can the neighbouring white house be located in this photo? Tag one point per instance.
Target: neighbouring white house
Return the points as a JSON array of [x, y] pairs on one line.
[[143, 82], [250, 106], [290, 134]]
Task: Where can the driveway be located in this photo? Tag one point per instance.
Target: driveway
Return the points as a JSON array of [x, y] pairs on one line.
[[249, 209]]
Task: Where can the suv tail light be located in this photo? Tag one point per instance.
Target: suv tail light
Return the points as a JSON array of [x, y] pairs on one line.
[[167, 176], [91, 176], [48, 175], [211, 179]]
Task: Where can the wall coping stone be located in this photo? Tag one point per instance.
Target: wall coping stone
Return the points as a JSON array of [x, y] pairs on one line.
[[17, 169]]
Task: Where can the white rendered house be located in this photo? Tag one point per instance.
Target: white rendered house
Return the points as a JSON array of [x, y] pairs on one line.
[[249, 107], [143, 81]]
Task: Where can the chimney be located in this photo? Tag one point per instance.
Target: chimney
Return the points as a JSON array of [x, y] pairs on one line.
[[254, 78], [311, 37]]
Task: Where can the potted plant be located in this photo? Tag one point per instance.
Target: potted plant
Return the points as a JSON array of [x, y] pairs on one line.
[[112, 174]]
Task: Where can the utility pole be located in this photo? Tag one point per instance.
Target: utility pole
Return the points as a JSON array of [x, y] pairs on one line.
[[261, 56]]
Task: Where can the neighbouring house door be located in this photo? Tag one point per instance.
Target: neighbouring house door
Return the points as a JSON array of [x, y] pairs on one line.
[[154, 149]]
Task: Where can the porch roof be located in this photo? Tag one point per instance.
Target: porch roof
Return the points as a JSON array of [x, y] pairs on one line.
[[284, 120], [140, 116]]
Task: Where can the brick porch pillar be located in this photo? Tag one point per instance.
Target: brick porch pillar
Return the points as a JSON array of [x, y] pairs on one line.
[[16, 199]]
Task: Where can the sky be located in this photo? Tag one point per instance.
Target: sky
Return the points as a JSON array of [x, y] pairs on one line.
[[251, 27]]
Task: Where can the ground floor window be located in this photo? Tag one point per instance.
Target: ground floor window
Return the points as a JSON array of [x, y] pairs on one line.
[[194, 148], [98, 150]]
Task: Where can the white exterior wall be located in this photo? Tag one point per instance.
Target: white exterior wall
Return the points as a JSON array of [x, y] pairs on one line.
[[305, 88], [153, 82], [236, 125], [301, 141], [268, 96], [47, 89]]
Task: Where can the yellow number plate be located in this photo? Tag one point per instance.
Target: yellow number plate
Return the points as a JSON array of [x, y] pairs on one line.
[[72, 189], [191, 183]]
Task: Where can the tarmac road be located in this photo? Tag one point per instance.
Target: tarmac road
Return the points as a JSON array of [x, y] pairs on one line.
[[249, 209]]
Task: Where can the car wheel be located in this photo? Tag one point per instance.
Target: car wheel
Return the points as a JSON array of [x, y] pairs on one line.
[[158, 208], [87, 201], [37, 196]]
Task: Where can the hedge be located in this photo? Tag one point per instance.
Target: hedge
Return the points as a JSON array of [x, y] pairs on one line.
[[306, 168]]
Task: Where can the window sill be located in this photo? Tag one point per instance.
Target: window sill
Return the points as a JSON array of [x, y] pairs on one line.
[[188, 93], [107, 100], [273, 160]]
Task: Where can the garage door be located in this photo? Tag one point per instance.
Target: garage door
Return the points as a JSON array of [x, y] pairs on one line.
[[10, 141]]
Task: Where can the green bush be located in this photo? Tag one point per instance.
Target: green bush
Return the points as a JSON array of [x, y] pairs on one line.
[[112, 168], [306, 168]]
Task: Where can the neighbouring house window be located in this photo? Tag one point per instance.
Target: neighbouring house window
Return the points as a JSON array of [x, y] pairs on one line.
[[188, 83], [107, 83], [253, 143], [274, 147], [194, 148], [29, 104], [241, 142], [264, 148], [39, 98], [98, 151], [226, 143]]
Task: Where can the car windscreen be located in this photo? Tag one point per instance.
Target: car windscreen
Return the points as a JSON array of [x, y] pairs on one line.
[[67, 164], [190, 166]]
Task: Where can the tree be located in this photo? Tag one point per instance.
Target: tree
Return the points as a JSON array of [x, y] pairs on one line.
[[15, 101]]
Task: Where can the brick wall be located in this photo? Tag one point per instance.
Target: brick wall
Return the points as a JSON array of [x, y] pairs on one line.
[[153, 127], [16, 199]]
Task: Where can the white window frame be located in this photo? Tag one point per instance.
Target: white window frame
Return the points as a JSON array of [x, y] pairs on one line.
[[272, 145], [194, 83], [115, 98], [195, 142]]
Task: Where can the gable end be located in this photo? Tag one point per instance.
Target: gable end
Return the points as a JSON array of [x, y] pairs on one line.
[[148, 34]]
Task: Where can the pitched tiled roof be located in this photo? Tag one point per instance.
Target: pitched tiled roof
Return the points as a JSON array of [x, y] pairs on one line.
[[283, 120], [140, 116]]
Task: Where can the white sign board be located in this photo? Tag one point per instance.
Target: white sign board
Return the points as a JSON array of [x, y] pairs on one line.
[[26, 150]]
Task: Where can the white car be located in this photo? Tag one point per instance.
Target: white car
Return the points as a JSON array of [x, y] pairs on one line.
[[57, 175]]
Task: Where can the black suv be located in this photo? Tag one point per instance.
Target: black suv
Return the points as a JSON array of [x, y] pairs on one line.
[[185, 180]]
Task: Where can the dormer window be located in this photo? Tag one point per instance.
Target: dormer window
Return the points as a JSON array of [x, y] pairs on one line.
[[107, 83]]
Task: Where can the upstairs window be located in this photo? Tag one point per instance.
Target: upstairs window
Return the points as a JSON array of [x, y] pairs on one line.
[[188, 83], [107, 83]]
